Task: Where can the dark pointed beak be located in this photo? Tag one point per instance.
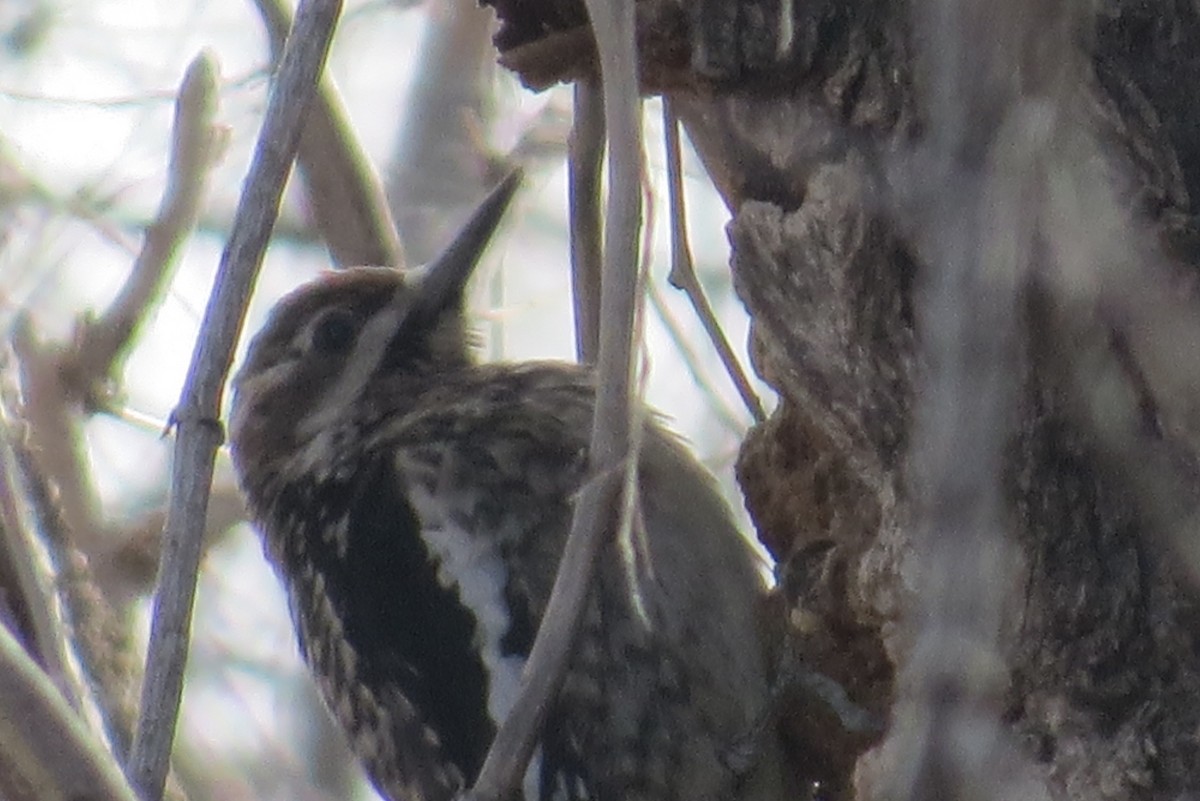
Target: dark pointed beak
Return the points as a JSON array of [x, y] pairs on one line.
[[446, 276]]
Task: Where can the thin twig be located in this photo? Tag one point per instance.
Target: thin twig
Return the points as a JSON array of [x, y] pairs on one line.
[[586, 157], [683, 270], [691, 360], [97, 670], [344, 192], [199, 433], [614, 26], [46, 753], [58, 382], [27, 580]]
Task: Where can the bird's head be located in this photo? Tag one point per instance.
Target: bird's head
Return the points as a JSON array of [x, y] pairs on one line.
[[325, 343]]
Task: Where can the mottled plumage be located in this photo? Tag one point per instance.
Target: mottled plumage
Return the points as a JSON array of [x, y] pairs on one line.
[[416, 503]]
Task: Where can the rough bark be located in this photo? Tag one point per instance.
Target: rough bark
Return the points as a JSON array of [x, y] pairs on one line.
[[1100, 660]]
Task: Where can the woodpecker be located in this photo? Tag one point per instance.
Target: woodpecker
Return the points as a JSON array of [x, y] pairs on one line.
[[415, 503]]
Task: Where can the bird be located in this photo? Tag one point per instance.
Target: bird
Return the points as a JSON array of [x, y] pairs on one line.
[[415, 501]]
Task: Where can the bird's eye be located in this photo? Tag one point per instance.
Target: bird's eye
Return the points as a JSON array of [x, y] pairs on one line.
[[334, 332]]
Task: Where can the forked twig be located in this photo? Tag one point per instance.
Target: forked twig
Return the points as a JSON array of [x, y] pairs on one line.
[[59, 384], [58, 381], [683, 270], [199, 433], [196, 144]]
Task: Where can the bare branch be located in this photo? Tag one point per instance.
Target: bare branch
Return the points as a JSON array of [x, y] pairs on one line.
[[200, 402], [614, 25], [727, 414], [89, 658], [80, 640], [610, 446], [27, 586], [57, 382], [46, 754], [196, 145], [683, 271], [346, 196], [50, 411]]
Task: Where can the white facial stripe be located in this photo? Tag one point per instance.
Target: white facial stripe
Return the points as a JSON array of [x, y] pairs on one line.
[[361, 365]]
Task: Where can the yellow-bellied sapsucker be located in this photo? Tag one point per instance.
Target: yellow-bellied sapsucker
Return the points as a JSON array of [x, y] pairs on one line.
[[416, 504]]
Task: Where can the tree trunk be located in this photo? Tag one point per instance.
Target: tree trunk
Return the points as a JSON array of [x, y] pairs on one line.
[[1090, 669]]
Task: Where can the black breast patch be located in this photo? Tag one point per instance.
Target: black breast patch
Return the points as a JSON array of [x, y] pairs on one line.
[[408, 631]]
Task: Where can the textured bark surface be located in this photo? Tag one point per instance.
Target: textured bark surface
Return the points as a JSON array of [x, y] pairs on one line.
[[1102, 667]]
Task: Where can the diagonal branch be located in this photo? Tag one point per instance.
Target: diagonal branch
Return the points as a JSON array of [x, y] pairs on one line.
[[683, 271], [46, 752], [57, 381], [343, 190], [196, 143], [199, 407]]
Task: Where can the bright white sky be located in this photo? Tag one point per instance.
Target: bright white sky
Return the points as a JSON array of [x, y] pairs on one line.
[[84, 120]]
